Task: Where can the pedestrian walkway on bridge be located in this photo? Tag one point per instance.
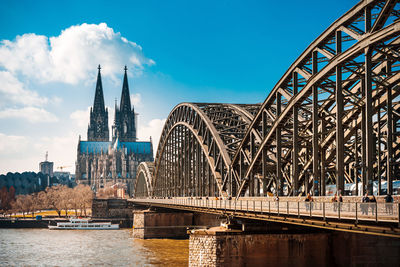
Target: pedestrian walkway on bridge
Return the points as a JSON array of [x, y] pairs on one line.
[[371, 218]]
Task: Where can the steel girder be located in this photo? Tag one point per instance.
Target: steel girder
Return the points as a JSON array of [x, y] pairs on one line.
[[334, 115], [144, 180], [196, 146]]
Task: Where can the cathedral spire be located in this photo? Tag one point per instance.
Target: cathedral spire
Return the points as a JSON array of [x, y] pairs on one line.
[[115, 111], [124, 123], [125, 105], [98, 105], [98, 125]]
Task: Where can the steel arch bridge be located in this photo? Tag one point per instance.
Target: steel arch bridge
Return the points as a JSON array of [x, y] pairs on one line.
[[195, 150], [144, 182], [333, 118]]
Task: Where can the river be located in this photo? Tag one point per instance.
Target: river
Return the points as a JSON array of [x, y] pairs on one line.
[[42, 247]]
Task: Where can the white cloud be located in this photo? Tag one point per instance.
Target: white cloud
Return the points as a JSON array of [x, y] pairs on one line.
[[23, 153], [12, 144], [71, 56], [136, 99], [30, 60], [56, 100], [13, 153], [12, 91], [31, 114], [81, 117], [62, 150], [153, 129]]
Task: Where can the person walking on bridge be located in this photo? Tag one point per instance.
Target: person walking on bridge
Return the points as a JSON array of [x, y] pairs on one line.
[[389, 204], [309, 199], [373, 204], [364, 207], [334, 201]]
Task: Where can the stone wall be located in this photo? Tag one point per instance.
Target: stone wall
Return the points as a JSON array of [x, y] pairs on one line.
[[151, 224], [364, 250], [233, 248], [112, 208], [206, 219], [220, 247]]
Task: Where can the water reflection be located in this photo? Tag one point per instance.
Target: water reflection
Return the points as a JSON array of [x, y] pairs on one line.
[[41, 247], [166, 252]]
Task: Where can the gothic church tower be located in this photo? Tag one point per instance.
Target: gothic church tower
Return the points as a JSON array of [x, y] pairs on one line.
[[124, 127], [102, 163], [98, 125]]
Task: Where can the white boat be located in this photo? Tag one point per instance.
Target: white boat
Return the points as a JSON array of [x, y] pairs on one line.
[[82, 224]]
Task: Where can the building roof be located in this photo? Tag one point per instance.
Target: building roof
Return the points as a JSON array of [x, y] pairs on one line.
[[137, 147], [131, 147], [93, 146]]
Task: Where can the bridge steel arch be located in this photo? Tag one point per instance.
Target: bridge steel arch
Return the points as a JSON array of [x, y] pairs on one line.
[[196, 146], [144, 180], [334, 115]]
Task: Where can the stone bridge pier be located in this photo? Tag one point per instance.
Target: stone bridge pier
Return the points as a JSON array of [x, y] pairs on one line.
[[165, 223], [223, 247], [225, 240]]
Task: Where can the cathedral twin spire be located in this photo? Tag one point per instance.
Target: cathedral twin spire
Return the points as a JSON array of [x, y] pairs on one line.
[[124, 126], [98, 104], [125, 97]]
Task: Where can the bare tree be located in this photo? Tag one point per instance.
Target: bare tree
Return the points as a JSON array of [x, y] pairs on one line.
[[75, 198], [42, 200], [23, 204], [66, 198], [57, 198], [86, 197], [16, 205], [54, 198]]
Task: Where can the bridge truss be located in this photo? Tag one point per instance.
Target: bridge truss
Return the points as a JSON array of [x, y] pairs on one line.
[[195, 150], [333, 118]]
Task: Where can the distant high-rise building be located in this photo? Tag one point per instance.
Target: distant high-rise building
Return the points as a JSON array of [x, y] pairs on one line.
[[46, 167], [101, 162]]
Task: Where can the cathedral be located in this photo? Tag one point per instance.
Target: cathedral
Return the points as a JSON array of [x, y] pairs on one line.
[[103, 163]]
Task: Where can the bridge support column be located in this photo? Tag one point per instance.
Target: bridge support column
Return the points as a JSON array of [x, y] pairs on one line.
[[150, 224], [296, 144], [315, 118], [369, 111], [279, 176], [389, 140], [221, 247], [339, 125]]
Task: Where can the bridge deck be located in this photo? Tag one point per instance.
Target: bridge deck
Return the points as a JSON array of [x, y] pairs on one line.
[[369, 218]]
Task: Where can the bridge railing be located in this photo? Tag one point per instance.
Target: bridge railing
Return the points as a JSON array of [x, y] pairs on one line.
[[379, 212]]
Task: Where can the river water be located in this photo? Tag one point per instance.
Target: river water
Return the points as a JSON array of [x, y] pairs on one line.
[[42, 247]]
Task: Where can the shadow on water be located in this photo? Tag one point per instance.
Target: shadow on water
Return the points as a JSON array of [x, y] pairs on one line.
[[166, 252]]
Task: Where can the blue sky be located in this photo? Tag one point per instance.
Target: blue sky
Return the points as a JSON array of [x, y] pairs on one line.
[[176, 51]]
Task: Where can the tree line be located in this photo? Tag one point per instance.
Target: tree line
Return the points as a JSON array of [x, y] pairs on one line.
[[31, 182], [25, 183], [56, 198]]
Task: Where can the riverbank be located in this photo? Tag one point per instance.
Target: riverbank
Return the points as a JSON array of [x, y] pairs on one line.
[[44, 223]]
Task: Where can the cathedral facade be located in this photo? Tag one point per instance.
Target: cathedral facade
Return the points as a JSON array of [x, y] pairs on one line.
[[102, 162]]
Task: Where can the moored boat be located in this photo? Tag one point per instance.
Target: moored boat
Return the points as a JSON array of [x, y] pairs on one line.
[[83, 224]]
